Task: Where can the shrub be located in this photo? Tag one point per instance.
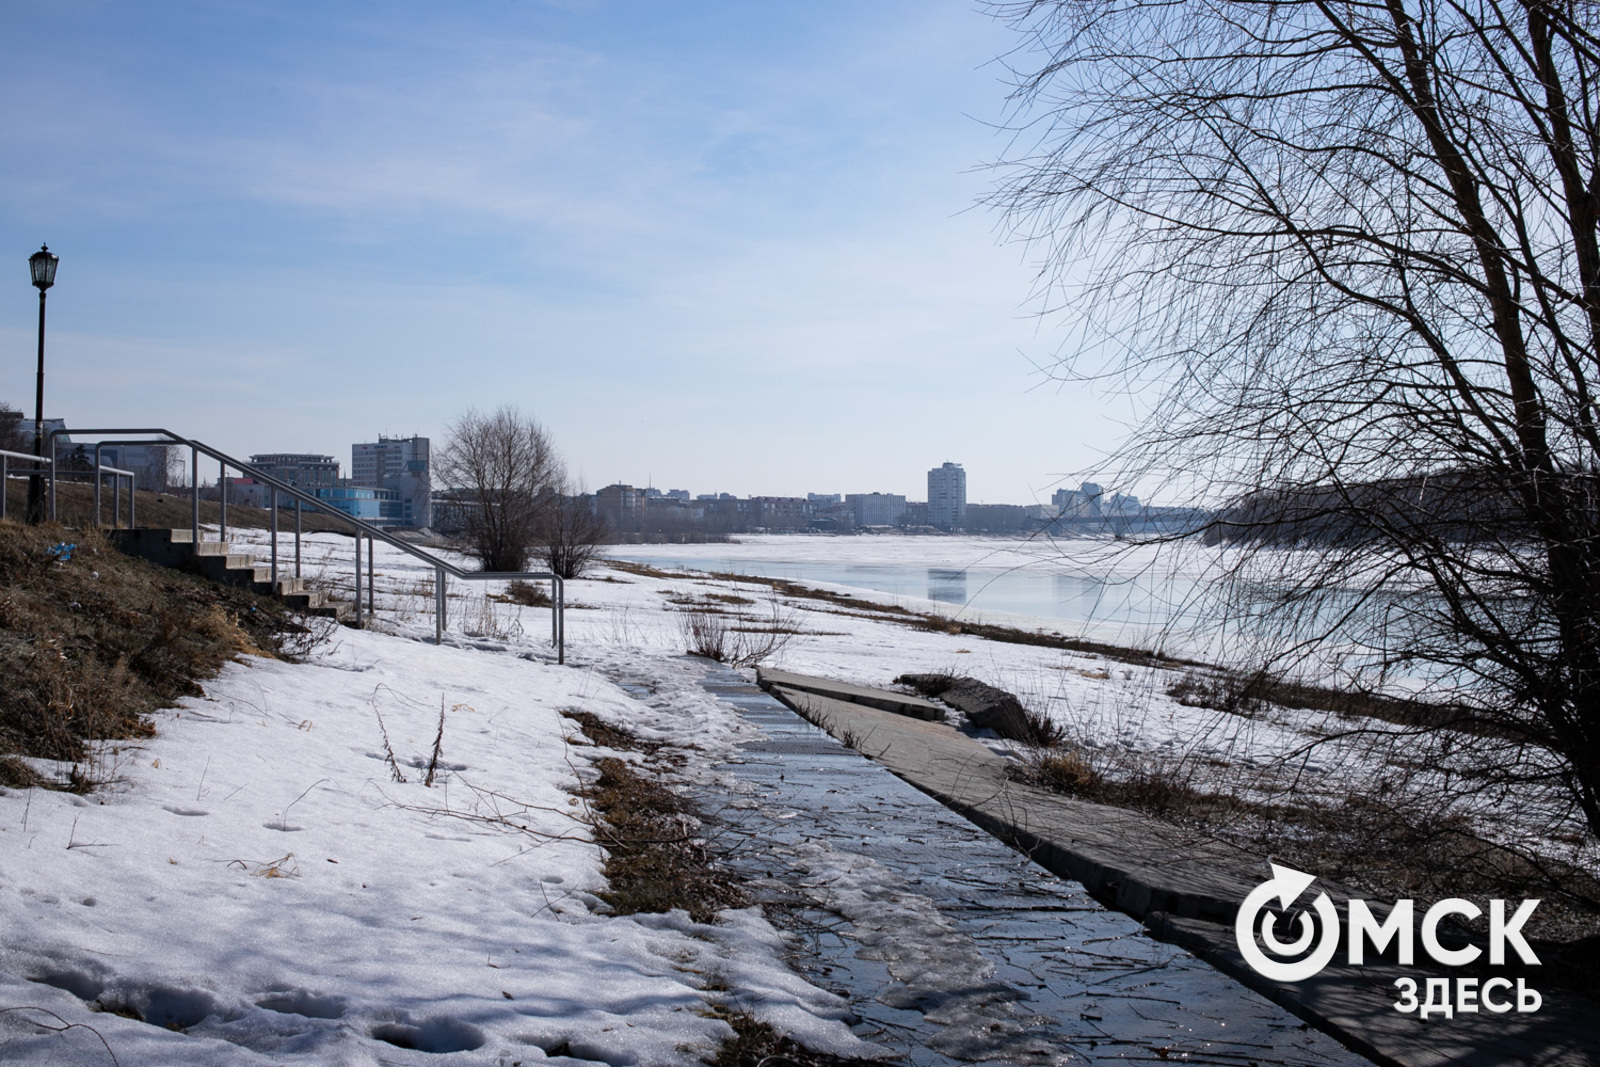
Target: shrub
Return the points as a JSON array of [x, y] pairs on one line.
[[527, 594], [737, 640]]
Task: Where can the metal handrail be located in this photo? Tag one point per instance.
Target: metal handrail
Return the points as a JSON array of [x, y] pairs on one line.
[[441, 567], [4, 474], [117, 474]]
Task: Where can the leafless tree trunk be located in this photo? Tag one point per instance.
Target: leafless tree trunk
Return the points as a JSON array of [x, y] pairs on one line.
[[570, 533], [1348, 256], [502, 466]]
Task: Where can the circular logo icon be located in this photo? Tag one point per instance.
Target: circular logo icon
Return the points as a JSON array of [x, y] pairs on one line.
[[1305, 953]]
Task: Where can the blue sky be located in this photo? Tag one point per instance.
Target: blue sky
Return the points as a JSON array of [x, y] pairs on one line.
[[718, 246]]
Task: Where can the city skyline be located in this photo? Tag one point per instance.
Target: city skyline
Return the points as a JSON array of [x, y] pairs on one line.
[[659, 230]]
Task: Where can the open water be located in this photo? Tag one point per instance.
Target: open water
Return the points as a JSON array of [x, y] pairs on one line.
[[953, 948]]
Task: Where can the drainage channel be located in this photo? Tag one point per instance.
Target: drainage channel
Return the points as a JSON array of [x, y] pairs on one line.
[[953, 948]]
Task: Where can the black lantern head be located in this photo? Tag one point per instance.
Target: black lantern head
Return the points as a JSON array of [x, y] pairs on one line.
[[43, 264]]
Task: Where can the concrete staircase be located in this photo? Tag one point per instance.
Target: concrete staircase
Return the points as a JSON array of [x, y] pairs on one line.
[[218, 561]]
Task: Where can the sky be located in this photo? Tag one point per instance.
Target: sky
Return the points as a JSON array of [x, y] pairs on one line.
[[719, 246]]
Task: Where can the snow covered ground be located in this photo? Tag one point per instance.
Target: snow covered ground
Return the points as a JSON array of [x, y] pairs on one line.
[[256, 878], [252, 885], [1103, 703]]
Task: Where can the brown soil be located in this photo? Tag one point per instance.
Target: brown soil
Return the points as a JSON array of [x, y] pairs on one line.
[[90, 644]]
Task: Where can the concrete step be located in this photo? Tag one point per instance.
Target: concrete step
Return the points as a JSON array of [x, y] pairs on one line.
[[218, 561], [295, 597]]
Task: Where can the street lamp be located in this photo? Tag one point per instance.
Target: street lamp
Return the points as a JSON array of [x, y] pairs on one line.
[[42, 264]]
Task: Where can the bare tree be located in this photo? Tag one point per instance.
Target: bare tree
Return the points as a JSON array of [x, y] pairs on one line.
[[1348, 255], [11, 436], [501, 468], [571, 532], [163, 468]]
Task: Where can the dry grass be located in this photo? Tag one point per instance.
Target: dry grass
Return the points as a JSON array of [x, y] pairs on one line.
[[1065, 772], [655, 861], [481, 615], [1122, 780], [739, 640], [75, 507], [527, 594], [14, 774], [90, 646], [755, 1044], [1248, 694]]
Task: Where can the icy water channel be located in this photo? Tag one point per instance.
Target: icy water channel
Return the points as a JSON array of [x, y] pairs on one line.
[[953, 948]]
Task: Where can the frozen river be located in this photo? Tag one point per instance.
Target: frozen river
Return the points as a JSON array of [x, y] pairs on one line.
[[1090, 588]]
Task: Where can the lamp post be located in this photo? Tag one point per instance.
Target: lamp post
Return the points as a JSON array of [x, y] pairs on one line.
[[42, 264]]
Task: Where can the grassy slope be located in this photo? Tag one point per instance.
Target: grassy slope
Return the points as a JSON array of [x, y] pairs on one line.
[[75, 506], [90, 645]]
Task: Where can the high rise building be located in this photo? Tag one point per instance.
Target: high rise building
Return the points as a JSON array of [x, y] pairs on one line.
[[403, 465], [947, 496], [622, 506]]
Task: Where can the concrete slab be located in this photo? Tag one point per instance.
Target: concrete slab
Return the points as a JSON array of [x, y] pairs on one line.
[[882, 699], [1187, 890], [1124, 859]]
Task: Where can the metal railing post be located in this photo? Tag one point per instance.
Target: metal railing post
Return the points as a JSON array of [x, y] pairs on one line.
[[561, 623], [194, 495], [297, 538], [358, 578], [98, 478], [222, 500], [372, 583], [116, 500], [6, 457], [438, 605], [133, 498], [52, 480], [274, 493]]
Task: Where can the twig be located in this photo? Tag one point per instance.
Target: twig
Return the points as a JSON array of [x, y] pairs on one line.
[[283, 819], [438, 744], [64, 1027], [388, 751], [72, 841]]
